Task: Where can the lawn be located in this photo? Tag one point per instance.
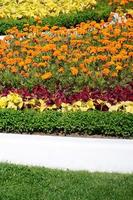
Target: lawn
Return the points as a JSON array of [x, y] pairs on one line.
[[33, 183]]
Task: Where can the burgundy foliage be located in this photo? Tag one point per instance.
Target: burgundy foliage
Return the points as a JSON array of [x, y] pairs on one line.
[[111, 95]]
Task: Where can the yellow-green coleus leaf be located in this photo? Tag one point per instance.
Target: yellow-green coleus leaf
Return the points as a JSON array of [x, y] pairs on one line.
[[90, 104], [78, 103], [42, 106], [126, 106], [31, 102], [41, 8], [129, 109], [3, 102], [15, 98], [11, 105], [83, 108], [129, 106]]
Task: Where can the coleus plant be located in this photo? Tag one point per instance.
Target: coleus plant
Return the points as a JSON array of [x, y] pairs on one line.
[[112, 96], [15, 101]]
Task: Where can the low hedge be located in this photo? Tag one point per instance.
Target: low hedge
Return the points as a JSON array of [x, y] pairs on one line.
[[52, 122], [101, 11]]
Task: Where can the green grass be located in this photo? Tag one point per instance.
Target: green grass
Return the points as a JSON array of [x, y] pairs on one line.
[[32, 183]]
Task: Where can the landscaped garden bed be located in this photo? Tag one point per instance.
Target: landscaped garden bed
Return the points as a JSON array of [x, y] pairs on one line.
[[67, 79], [17, 13], [66, 70]]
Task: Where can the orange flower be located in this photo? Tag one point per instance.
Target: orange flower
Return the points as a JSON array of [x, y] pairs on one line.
[[45, 28], [9, 55], [21, 63], [17, 43], [46, 75], [82, 31], [118, 68], [130, 54], [8, 37], [61, 70], [61, 57], [54, 28], [28, 61], [46, 57], [64, 48], [13, 69], [1, 66], [57, 53], [89, 73], [123, 2], [42, 64], [74, 71], [82, 65], [34, 64], [114, 74], [24, 74], [106, 71], [51, 46], [26, 67], [102, 57], [37, 18], [83, 68]]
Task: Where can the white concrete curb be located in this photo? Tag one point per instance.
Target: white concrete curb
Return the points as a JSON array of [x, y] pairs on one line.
[[103, 155]]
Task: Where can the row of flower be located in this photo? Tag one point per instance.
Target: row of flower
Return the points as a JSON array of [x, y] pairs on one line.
[[29, 8], [119, 98], [15, 101], [98, 55], [120, 2], [44, 8]]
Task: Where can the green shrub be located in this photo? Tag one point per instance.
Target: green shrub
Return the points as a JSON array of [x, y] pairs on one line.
[[84, 123]]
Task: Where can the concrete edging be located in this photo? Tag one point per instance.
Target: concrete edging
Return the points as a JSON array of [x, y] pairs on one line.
[[102, 155]]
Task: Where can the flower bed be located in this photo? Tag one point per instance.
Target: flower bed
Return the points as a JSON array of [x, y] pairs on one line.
[[90, 55], [100, 11], [69, 71]]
